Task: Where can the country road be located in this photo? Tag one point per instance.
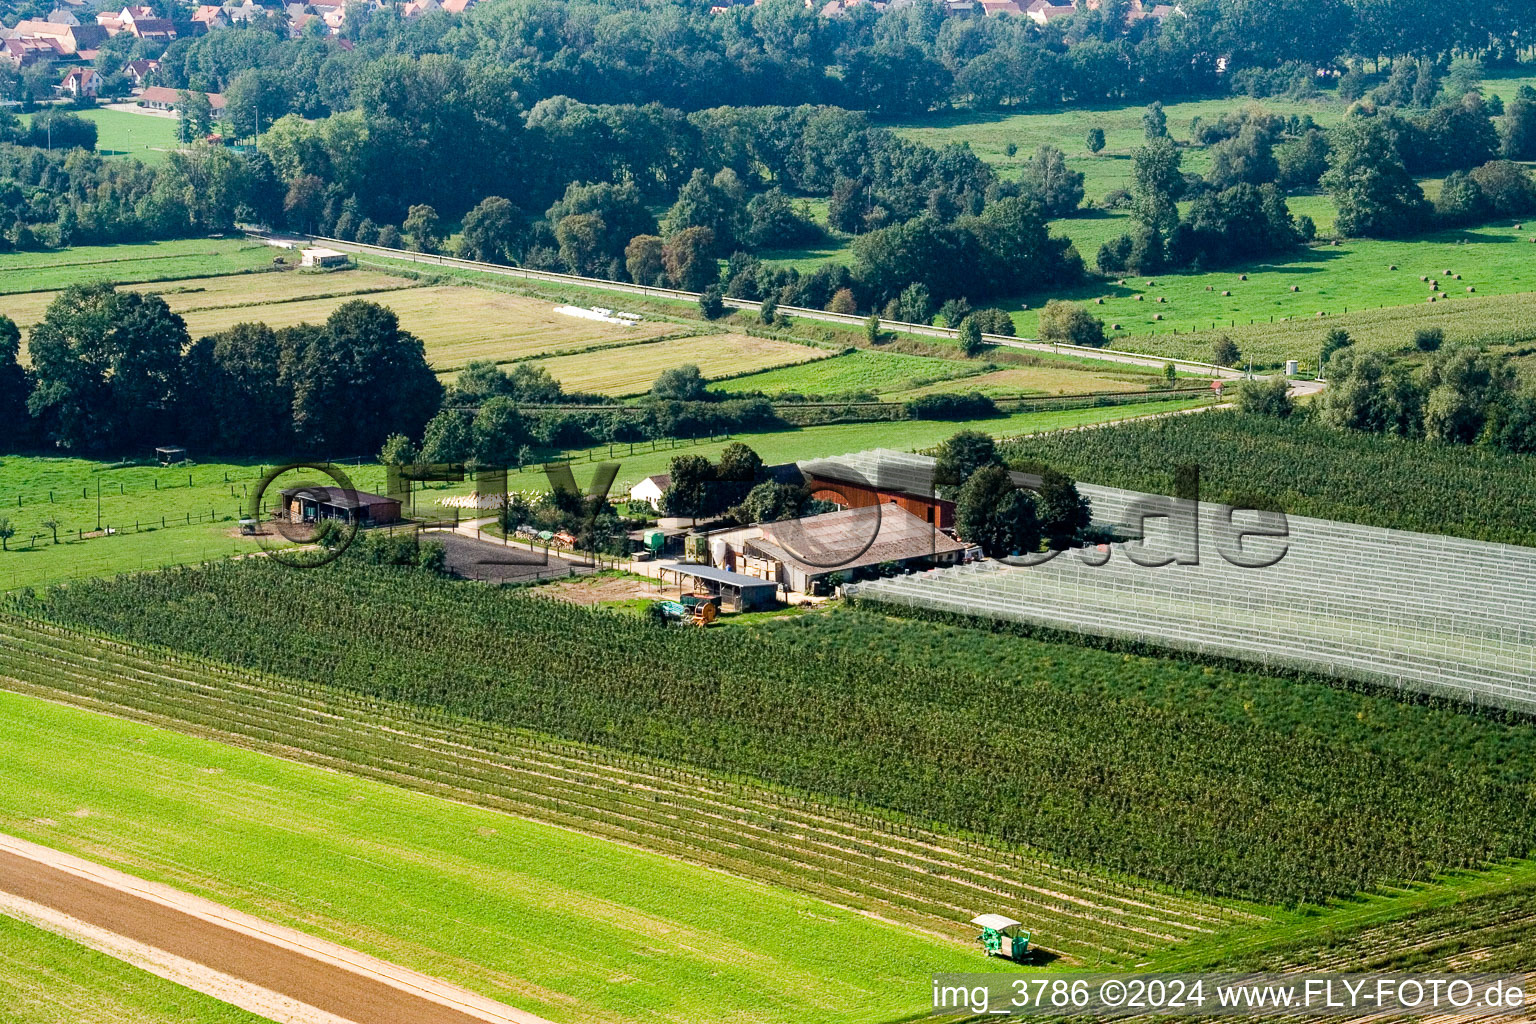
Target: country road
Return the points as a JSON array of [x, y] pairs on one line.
[[268, 969]]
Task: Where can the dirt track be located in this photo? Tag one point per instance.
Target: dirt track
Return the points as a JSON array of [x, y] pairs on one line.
[[293, 967]]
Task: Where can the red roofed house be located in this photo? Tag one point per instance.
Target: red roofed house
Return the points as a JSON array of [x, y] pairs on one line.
[[210, 16], [69, 40], [80, 82], [160, 98]]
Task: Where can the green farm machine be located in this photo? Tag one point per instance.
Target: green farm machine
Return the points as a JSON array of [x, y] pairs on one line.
[[1002, 936]]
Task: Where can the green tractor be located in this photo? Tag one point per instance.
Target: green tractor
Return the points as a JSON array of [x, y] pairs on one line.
[[1002, 936]]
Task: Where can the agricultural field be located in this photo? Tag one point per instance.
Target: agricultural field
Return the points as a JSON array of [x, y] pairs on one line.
[[633, 371], [877, 372], [130, 263], [1205, 797], [148, 138], [48, 979], [226, 295], [1498, 320], [1310, 470], [571, 927], [1046, 379]]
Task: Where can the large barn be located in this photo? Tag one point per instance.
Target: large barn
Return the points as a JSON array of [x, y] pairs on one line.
[[880, 476]]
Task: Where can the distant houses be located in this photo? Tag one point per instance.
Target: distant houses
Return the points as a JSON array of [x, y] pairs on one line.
[[160, 98]]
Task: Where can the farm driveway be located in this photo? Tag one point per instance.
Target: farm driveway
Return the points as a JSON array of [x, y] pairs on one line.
[[268, 969]]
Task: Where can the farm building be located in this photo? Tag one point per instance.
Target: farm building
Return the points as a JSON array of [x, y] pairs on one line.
[[651, 489], [310, 503], [737, 592], [157, 97], [880, 477], [322, 258], [798, 553]]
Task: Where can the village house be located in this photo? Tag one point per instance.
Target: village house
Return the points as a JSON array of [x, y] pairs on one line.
[[158, 97], [58, 39], [137, 71], [993, 8], [137, 21], [651, 489], [80, 82], [210, 16], [1043, 12]]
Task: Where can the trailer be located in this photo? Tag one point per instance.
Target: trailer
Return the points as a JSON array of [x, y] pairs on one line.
[[1002, 936]]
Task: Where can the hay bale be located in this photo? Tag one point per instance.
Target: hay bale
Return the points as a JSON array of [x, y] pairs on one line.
[[1226, 293], [1114, 327], [1458, 277], [1432, 298], [1392, 266], [1471, 289], [1423, 277], [1162, 298], [1157, 316], [1151, 284], [1138, 298], [1098, 302], [1242, 277], [1295, 288]]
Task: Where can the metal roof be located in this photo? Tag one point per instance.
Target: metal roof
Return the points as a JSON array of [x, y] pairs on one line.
[[722, 576], [338, 496], [881, 468], [852, 538]]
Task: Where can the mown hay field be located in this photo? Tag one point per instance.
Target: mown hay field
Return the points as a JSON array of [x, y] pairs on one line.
[[1466, 319], [457, 324], [636, 368]]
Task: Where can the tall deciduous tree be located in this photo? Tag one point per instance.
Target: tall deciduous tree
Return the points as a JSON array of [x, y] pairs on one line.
[[493, 231]]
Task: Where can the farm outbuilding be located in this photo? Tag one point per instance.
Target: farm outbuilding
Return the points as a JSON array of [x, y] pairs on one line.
[[798, 553], [737, 593], [322, 258], [880, 476], [311, 503]]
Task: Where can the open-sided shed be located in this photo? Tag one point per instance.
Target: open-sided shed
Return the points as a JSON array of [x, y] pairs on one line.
[[737, 593]]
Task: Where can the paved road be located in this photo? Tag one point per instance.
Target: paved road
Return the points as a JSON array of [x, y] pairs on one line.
[[339, 983]]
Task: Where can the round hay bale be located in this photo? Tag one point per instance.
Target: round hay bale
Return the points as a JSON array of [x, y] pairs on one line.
[[1162, 298], [1138, 298], [1226, 293], [1432, 298], [1517, 227], [1120, 281], [1458, 277], [1207, 287], [1242, 277], [1471, 289], [1295, 288], [1321, 313], [1151, 284], [1157, 316], [1114, 327], [1423, 277], [1098, 302], [1392, 266], [1447, 273]]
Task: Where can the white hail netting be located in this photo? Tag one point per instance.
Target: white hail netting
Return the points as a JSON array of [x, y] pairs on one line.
[[1425, 613]]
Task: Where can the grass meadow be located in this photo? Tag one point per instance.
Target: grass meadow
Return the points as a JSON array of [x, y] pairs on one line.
[[145, 137], [130, 263], [880, 372], [48, 979], [567, 926]]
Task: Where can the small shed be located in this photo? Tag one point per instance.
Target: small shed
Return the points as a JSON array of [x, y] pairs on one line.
[[170, 455], [322, 258], [736, 592], [312, 503]]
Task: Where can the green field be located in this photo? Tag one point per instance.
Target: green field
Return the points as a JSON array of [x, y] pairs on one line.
[[854, 371], [570, 927], [144, 137], [633, 369], [130, 263], [48, 979]]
